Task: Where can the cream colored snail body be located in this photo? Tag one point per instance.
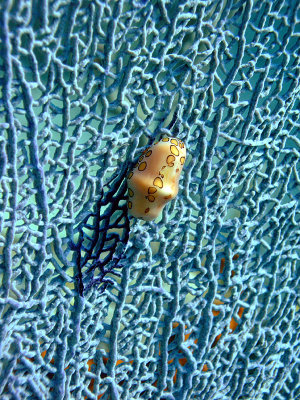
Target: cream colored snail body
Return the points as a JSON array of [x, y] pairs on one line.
[[153, 181]]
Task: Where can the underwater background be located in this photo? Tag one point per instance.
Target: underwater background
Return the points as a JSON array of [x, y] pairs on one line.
[[202, 303]]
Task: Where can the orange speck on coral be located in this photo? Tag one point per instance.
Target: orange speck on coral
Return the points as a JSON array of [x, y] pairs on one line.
[[205, 368]]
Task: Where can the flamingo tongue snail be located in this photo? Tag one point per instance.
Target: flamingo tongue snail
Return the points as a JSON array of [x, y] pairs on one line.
[[153, 181]]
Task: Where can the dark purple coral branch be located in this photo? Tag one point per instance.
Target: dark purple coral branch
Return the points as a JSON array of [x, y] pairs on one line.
[[102, 255]]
